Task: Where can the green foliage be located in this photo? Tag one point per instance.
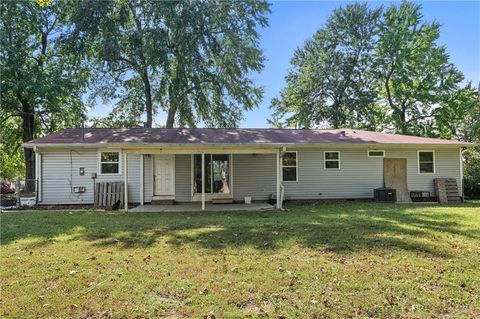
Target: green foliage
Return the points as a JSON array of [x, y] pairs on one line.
[[472, 172], [189, 59], [416, 77], [377, 69], [118, 118], [459, 117], [12, 164], [332, 77], [42, 81]]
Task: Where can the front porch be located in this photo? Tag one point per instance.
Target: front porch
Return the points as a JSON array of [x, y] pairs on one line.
[[197, 207]]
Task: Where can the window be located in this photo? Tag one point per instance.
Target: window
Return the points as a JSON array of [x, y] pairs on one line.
[[289, 166], [426, 162], [376, 153], [109, 162], [332, 160]]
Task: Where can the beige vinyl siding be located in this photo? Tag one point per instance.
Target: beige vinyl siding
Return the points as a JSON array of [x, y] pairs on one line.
[[359, 174], [183, 178], [148, 175], [254, 175], [60, 173], [357, 177], [447, 165]]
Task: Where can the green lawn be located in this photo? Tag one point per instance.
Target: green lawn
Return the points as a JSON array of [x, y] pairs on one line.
[[356, 260]]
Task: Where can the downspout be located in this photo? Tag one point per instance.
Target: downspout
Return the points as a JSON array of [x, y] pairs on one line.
[[203, 181], [38, 175], [125, 177], [461, 149], [141, 179], [280, 187], [277, 166]]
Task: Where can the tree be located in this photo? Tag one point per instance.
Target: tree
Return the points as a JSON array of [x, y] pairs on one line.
[[41, 81], [332, 79], [458, 117], [190, 59], [12, 164], [416, 76]]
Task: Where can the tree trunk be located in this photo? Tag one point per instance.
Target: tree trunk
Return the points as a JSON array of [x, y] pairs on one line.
[[176, 94], [403, 121], [28, 125], [148, 99], [171, 114]]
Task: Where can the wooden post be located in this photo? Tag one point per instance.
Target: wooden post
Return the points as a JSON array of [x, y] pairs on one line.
[[125, 177], [141, 180], [279, 200], [203, 181]]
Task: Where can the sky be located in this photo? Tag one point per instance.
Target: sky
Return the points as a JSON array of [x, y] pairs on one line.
[[291, 23]]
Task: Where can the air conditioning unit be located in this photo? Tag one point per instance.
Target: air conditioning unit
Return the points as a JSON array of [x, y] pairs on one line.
[[79, 189]]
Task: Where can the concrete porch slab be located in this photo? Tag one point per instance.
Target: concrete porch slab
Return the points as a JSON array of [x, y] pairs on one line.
[[197, 207]]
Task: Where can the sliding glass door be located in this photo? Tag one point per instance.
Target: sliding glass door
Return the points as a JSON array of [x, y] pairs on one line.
[[217, 174]]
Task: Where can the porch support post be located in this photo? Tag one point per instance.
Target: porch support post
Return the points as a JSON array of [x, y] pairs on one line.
[[125, 180], [279, 202], [141, 180], [203, 181]]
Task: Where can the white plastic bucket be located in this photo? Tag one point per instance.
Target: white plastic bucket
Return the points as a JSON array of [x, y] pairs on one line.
[[248, 200]]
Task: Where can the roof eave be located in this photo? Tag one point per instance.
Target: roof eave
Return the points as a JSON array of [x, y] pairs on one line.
[[209, 145]]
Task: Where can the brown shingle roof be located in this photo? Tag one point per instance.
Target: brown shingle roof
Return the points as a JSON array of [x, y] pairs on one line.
[[229, 136]]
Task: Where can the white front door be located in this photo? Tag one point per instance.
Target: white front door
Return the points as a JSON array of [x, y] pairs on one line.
[[164, 176]]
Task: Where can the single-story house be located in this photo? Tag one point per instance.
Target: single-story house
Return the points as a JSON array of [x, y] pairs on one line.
[[202, 164]]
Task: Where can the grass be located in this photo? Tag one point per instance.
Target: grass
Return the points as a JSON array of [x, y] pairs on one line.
[[344, 260]]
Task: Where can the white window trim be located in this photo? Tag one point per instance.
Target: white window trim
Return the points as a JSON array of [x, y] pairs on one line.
[[325, 160], [368, 153], [434, 162], [120, 159], [296, 167]]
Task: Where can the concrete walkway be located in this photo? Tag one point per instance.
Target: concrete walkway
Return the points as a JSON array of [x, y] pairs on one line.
[[197, 207]]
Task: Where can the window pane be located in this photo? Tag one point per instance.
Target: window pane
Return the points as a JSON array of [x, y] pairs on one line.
[[426, 156], [289, 159], [109, 157], [332, 164], [331, 155], [375, 153], [426, 167], [289, 174], [109, 168], [221, 174]]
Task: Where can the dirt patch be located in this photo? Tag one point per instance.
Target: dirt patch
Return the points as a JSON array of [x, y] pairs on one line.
[[252, 306]]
